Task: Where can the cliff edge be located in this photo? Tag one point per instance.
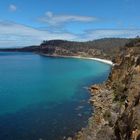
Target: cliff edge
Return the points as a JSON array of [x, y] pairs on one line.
[[116, 103]]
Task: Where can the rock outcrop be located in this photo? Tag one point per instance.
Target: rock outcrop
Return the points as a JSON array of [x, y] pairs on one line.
[[116, 103]]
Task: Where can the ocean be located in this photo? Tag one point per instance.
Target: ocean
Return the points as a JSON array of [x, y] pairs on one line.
[[45, 98]]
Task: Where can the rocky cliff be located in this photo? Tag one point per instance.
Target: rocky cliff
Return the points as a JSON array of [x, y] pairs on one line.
[[116, 103]]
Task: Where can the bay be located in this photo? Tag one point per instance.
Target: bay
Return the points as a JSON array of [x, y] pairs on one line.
[[45, 98]]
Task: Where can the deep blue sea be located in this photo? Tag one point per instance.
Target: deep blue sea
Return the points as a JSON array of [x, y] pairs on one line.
[[45, 98]]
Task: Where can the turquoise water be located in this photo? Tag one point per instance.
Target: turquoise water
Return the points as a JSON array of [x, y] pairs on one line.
[[45, 98]]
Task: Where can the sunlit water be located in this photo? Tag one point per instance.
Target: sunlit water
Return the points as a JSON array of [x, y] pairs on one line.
[[44, 98]]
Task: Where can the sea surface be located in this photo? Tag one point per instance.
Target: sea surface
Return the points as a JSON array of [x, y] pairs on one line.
[[45, 98]]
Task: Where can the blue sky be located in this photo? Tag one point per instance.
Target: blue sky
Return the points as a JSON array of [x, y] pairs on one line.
[[28, 22]]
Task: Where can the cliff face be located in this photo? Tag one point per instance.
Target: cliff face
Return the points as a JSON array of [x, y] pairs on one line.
[[128, 124], [116, 103]]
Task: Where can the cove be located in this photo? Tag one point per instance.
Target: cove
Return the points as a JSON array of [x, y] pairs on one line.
[[45, 98]]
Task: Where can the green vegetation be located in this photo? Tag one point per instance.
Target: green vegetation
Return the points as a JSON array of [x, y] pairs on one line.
[[134, 42], [107, 47]]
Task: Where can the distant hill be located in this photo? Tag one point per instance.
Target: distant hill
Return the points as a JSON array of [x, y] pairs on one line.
[[101, 47], [107, 46], [134, 42]]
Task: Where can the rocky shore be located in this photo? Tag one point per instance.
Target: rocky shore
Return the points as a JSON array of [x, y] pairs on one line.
[[116, 103]]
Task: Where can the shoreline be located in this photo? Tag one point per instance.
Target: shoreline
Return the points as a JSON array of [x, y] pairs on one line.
[[80, 57], [99, 108], [115, 116]]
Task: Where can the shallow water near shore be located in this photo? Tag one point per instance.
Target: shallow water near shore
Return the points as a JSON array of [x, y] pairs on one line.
[[44, 98]]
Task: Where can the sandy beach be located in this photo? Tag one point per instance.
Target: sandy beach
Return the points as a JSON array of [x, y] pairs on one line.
[[80, 57]]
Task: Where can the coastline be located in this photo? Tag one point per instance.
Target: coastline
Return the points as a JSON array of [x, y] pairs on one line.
[[101, 99], [80, 57], [115, 103]]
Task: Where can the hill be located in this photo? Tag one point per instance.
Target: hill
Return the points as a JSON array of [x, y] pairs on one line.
[[107, 47]]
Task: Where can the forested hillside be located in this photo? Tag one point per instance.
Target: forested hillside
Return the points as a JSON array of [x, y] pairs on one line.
[[107, 47]]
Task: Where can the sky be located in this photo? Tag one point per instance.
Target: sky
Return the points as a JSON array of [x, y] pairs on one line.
[[29, 22]]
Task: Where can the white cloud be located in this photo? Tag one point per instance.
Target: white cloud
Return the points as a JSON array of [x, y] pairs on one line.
[[12, 7], [55, 20], [13, 35], [17, 35], [107, 33]]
